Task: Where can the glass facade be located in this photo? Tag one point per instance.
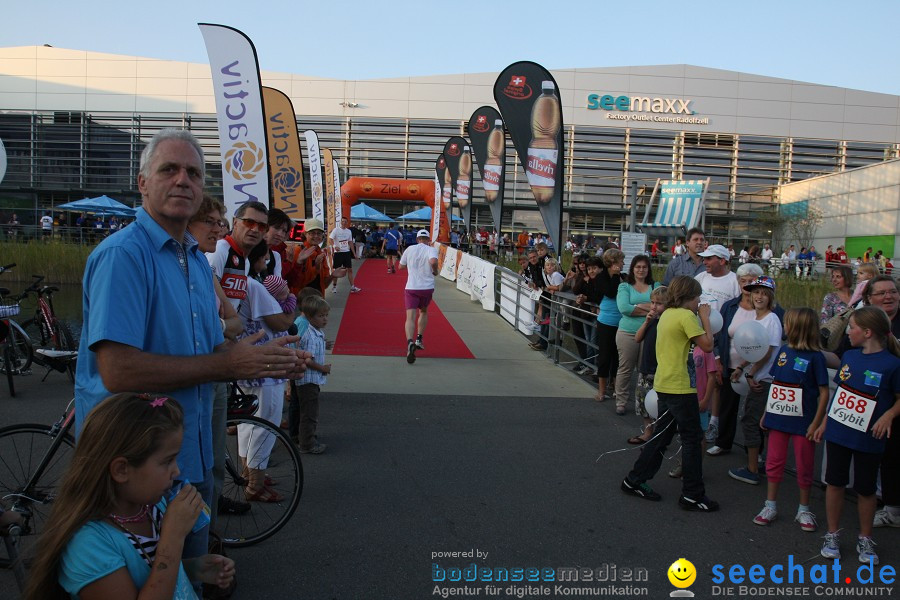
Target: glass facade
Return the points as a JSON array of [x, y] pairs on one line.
[[56, 157]]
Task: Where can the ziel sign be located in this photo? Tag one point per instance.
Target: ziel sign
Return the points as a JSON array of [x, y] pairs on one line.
[[660, 108]]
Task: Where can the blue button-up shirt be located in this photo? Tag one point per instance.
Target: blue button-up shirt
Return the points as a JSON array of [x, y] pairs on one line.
[[146, 290]]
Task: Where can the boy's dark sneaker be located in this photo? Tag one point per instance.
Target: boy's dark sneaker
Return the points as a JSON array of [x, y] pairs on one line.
[[641, 490], [704, 504], [411, 352]]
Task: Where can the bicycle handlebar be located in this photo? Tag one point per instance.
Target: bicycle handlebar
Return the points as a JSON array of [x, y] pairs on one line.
[[7, 267]]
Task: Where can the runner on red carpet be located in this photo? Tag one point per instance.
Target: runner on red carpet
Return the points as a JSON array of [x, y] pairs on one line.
[[390, 248], [421, 261], [344, 251]]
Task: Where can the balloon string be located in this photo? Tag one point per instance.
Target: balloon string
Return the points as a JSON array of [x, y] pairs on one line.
[[655, 435]]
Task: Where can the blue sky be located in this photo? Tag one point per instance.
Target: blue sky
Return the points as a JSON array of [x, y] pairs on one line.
[[847, 44]]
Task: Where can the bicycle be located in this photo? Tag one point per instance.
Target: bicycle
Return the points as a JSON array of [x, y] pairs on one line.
[[34, 458], [17, 351], [45, 329]]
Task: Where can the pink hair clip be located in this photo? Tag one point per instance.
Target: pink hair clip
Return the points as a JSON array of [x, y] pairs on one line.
[[158, 402]]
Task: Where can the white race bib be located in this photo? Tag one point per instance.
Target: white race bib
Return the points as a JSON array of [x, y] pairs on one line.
[[786, 400], [851, 408]]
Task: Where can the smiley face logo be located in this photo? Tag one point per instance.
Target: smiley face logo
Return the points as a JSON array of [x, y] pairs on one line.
[[682, 573]]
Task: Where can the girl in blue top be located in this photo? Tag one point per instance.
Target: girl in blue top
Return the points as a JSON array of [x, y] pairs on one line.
[[111, 533], [858, 418], [795, 407]]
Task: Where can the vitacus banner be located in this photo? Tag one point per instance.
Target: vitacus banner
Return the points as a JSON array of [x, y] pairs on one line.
[[239, 113], [285, 159], [315, 174], [458, 157], [528, 98], [489, 147]]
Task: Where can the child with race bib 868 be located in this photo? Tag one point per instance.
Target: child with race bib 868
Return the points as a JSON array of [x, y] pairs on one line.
[[858, 419], [795, 407], [111, 533]]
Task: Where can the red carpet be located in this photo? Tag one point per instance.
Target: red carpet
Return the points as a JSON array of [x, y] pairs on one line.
[[373, 319]]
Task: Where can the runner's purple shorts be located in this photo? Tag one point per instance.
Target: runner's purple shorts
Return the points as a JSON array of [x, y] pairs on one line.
[[417, 298]]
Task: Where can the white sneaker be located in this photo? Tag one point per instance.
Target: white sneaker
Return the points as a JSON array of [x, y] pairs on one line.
[[716, 451], [831, 548], [807, 520], [865, 547], [419, 344], [334, 290], [884, 518], [765, 516], [354, 289], [712, 433]]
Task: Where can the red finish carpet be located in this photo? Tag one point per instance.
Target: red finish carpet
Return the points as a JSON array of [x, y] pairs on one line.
[[373, 319]]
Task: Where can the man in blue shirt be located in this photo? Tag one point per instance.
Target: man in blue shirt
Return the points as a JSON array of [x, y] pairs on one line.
[[690, 263], [390, 248], [150, 320]]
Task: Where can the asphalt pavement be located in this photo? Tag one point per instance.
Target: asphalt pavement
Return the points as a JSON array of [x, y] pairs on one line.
[[496, 462]]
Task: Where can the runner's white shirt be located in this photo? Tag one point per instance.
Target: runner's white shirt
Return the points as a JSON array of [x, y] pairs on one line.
[[416, 259], [342, 239]]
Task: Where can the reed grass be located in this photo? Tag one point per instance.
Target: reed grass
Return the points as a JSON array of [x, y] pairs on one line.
[[58, 262]]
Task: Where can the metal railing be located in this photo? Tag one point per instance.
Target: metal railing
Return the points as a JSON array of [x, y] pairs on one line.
[[560, 333]]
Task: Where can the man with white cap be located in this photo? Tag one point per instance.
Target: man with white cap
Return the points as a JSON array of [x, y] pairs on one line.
[[421, 261], [718, 282]]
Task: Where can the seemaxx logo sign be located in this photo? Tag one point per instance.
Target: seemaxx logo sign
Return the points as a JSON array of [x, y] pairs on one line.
[[680, 106], [664, 110]]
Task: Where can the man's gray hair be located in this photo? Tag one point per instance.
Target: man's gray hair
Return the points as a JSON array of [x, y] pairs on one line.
[[182, 135], [749, 269]]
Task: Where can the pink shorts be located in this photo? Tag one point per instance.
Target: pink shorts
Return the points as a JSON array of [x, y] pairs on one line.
[[417, 298]]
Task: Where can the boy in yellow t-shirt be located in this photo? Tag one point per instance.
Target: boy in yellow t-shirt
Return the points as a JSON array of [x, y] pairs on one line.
[[678, 405]]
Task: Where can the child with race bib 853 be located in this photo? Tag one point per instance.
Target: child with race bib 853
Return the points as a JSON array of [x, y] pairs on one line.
[[795, 408], [111, 533], [858, 418]]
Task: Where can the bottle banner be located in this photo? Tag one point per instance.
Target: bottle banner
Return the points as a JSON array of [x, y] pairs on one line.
[[285, 158], [528, 98], [239, 114], [338, 201], [328, 163], [444, 204], [489, 146], [458, 156], [315, 174], [436, 211]]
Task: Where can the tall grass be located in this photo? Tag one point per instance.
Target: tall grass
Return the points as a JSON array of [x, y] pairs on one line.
[[59, 262]]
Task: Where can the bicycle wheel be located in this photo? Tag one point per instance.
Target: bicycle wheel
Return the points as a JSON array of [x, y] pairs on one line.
[[8, 369], [22, 449], [63, 340], [22, 352], [284, 468]]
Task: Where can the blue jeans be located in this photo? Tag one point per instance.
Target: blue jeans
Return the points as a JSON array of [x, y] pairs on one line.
[[219, 424], [678, 413], [197, 544]]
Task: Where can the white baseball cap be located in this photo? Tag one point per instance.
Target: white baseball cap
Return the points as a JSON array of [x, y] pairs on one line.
[[423, 233]]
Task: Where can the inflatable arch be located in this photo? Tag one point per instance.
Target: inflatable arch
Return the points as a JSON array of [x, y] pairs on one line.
[[380, 188]]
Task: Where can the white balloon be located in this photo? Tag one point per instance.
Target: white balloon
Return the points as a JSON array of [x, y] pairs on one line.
[[751, 341], [715, 321], [741, 387], [651, 403]]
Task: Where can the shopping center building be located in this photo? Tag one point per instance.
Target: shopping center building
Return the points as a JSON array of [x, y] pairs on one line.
[[73, 124]]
